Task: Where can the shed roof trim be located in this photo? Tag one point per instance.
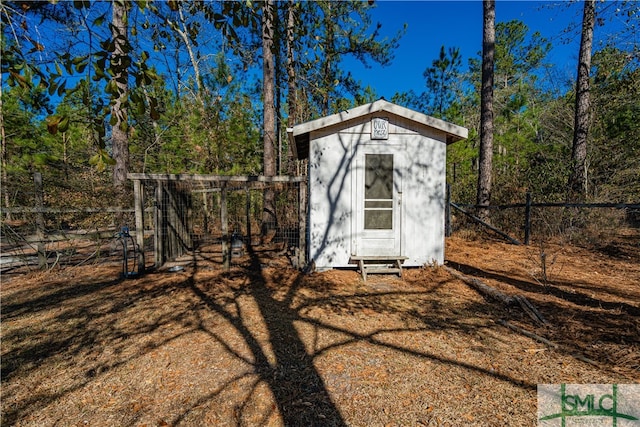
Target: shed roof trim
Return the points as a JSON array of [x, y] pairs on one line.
[[454, 132], [299, 134]]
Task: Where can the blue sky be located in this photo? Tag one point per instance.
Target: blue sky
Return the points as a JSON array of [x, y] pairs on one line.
[[432, 24]]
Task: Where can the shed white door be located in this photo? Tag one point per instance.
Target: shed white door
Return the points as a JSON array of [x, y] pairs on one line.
[[378, 203]]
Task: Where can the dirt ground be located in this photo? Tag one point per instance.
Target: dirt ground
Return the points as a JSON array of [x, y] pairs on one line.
[[266, 345]]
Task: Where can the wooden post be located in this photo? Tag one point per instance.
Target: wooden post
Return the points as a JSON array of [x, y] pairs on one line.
[[159, 226], [185, 231], [302, 227], [527, 220], [138, 195], [40, 229], [447, 212], [178, 229], [248, 214], [205, 204], [172, 220], [226, 253]]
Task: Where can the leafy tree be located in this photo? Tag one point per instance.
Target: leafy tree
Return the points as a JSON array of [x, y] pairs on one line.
[[442, 78], [23, 148], [615, 146], [518, 100], [518, 55], [443, 82], [335, 30]]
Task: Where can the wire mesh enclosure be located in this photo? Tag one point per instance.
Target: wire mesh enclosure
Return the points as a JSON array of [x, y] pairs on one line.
[[220, 214], [53, 221]]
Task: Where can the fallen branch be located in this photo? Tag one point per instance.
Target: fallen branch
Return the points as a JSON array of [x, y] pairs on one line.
[[489, 226], [528, 334], [481, 287], [528, 308], [488, 291], [548, 343]]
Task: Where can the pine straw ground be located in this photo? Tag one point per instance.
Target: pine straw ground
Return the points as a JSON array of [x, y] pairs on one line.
[[265, 345]]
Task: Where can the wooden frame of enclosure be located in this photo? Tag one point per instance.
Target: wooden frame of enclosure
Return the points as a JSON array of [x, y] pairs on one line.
[[171, 231]]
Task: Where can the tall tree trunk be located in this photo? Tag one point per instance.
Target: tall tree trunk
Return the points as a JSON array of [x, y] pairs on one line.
[[278, 78], [291, 80], [486, 109], [578, 177], [269, 115], [328, 76], [3, 156], [119, 132], [182, 32]]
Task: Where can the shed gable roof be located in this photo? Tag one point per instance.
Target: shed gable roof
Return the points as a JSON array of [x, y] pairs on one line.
[[300, 133]]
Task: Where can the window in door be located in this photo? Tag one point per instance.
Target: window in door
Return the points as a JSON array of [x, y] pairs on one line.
[[378, 192]]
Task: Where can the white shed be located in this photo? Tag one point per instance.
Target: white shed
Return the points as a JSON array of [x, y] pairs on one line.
[[376, 185]]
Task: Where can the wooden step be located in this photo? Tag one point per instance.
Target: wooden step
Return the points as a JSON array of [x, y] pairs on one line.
[[377, 258], [378, 265], [383, 270]]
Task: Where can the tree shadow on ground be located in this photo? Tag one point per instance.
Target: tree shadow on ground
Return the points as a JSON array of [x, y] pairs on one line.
[[297, 387], [86, 331], [601, 330], [287, 364], [574, 297], [75, 325]]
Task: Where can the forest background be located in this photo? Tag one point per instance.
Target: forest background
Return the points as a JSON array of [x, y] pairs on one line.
[[93, 90]]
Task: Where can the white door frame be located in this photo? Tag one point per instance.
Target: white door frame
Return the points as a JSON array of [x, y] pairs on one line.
[[373, 242]]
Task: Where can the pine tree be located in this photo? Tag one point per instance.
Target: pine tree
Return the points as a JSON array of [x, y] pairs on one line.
[[578, 178], [486, 109]]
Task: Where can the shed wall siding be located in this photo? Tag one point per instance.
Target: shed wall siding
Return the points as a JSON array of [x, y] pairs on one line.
[[423, 201], [421, 162], [330, 201]]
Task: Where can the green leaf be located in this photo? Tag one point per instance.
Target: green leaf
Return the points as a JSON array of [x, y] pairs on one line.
[[52, 88], [153, 107], [140, 108], [63, 126], [109, 160], [81, 4], [40, 158], [52, 124], [22, 81], [93, 161], [99, 72], [99, 20], [111, 88], [61, 88]]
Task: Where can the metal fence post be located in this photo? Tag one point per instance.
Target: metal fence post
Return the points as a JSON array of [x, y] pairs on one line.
[[226, 248], [527, 219], [40, 227], [447, 212]]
